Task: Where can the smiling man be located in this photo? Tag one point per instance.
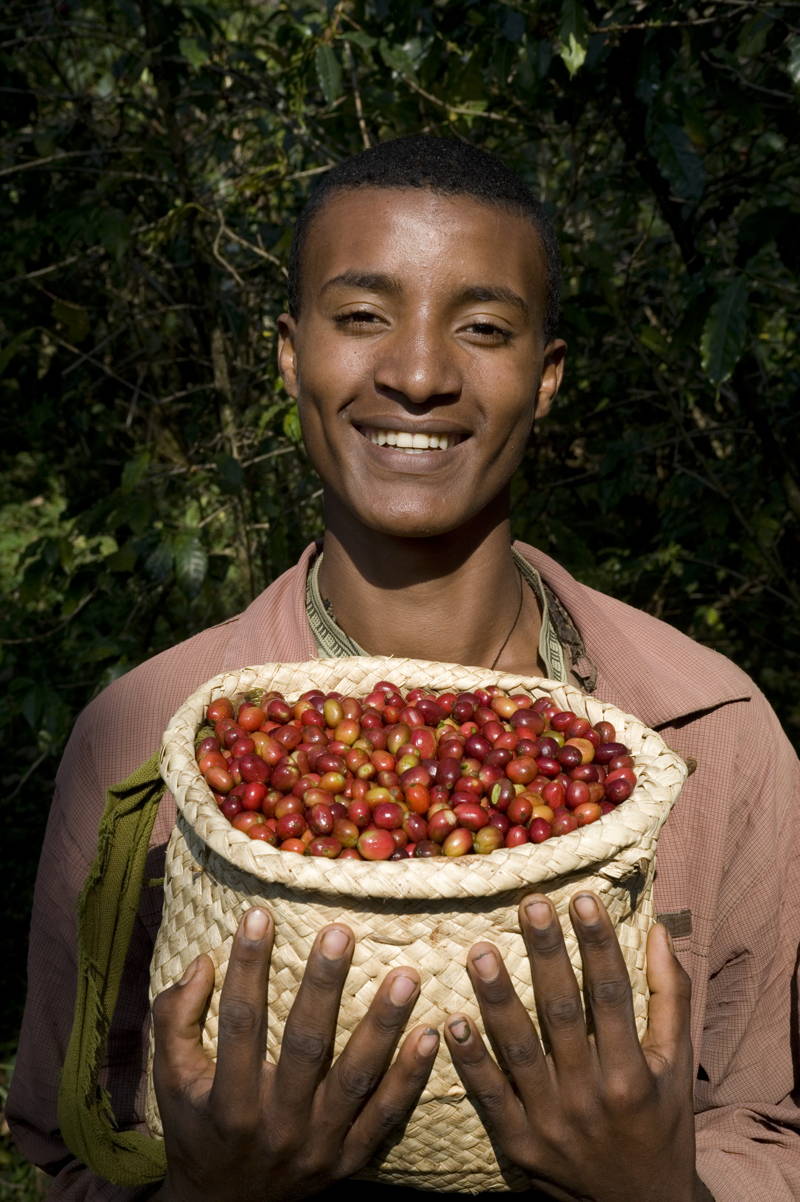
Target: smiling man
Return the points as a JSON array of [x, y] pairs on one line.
[[420, 355], [421, 347]]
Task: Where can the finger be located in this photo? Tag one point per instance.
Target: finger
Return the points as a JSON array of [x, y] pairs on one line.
[[667, 1041], [358, 1071], [242, 1034], [608, 988], [508, 1024], [500, 1109], [394, 1100], [310, 1028], [558, 999], [178, 1013]]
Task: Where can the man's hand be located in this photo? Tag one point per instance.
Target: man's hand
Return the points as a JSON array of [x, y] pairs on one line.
[[599, 1117], [250, 1131]]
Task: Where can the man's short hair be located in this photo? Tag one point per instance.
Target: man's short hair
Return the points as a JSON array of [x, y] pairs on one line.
[[443, 165]]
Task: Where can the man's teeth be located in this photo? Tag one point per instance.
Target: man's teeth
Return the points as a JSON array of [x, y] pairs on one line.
[[412, 442]]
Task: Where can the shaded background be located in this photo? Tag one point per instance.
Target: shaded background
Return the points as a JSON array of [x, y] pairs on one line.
[[152, 157]]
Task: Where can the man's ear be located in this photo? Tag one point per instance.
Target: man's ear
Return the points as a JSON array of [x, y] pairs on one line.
[[287, 352], [552, 373]]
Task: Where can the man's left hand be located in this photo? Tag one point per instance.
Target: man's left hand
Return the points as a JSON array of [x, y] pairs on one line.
[[598, 1116]]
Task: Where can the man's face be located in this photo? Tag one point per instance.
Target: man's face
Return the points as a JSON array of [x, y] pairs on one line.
[[418, 358]]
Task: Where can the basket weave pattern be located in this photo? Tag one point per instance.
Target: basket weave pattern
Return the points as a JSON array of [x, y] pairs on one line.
[[420, 912]]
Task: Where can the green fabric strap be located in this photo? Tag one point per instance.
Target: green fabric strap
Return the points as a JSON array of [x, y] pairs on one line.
[[106, 916]]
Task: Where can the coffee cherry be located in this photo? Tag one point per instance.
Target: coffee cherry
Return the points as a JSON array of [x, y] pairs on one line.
[[219, 779], [618, 790], [461, 774], [246, 819], [487, 839], [320, 819], [457, 843], [219, 709], [607, 751], [388, 816], [426, 848], [588, 812], [471, 816], [539, 830], [519, 810], [230, 807], [440, 824], [564, 821], [324, 846], [376, 844]]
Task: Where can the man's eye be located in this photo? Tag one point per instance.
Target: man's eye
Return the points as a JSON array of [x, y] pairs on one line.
[[488, 332], [359, 317]]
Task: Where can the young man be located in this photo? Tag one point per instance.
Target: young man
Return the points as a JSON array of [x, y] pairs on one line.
[[421, 348]]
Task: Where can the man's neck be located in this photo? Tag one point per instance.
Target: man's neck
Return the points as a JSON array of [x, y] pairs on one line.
[[456, 597]]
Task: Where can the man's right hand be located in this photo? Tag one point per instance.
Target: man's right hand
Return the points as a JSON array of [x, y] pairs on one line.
[[251, 1131]]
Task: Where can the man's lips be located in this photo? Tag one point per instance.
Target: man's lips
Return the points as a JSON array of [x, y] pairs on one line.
[[412, 437]]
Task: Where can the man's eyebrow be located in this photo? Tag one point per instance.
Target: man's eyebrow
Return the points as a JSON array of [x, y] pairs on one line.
[[374, 281], [493, 292], [369, 281]]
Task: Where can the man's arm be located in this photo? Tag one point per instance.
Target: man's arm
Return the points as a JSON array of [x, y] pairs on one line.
[[748, 1122], [32, 1111]]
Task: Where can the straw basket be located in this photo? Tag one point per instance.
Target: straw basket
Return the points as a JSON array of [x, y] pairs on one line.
[[425, 913]]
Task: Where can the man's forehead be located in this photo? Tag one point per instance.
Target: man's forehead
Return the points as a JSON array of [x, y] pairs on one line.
[[357, 230]]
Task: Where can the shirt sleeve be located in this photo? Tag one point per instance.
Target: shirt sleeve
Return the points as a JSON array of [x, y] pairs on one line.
[[748, 1122], [32, 1109]]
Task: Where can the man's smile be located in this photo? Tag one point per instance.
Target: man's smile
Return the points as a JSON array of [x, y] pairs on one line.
[[411, 441]]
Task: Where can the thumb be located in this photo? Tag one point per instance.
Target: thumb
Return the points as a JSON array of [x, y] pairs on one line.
[[668, 1027], [179, 1061]]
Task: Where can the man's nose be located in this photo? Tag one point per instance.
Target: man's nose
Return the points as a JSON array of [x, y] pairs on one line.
[[418, 364]]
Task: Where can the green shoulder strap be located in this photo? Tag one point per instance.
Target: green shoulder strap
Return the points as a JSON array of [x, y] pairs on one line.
[[106, 916]]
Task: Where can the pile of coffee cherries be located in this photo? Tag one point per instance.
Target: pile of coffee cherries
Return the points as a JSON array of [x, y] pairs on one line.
[[393, 775]]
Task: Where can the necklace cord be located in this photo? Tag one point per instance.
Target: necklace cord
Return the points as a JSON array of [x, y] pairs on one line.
[[504, 643]]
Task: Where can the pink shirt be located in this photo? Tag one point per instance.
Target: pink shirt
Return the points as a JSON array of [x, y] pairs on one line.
[[728, 876]]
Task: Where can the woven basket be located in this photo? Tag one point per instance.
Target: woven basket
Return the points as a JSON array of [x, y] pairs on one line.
[[425, 913]]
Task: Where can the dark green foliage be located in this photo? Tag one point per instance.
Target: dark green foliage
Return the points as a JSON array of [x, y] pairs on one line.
[[154, 153]]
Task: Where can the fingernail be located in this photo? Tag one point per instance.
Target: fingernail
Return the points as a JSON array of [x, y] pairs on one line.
[[402, 989], [459, 1029], [539, 914], [334, 943], [189, 973], [486, 965], [586, 907], [668, 940], [428, 1041], [255, 924]]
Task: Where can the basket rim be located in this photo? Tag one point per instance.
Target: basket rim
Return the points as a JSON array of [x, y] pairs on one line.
[[660, 770]]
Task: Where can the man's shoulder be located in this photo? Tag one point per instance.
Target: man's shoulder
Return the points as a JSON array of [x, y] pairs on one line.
[[123, 725], [643, 664]]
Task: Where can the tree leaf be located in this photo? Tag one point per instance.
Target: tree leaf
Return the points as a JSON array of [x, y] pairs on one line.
[[191, 561], [725, 332], [512, 25], [359, 39], [73, 318], [11, 348], [678, 162], [329, 72], [573, 35], [134, 470], [193, 52], [793, 66], [159, 562], [396, 57], [231, 476], [291, 425]]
